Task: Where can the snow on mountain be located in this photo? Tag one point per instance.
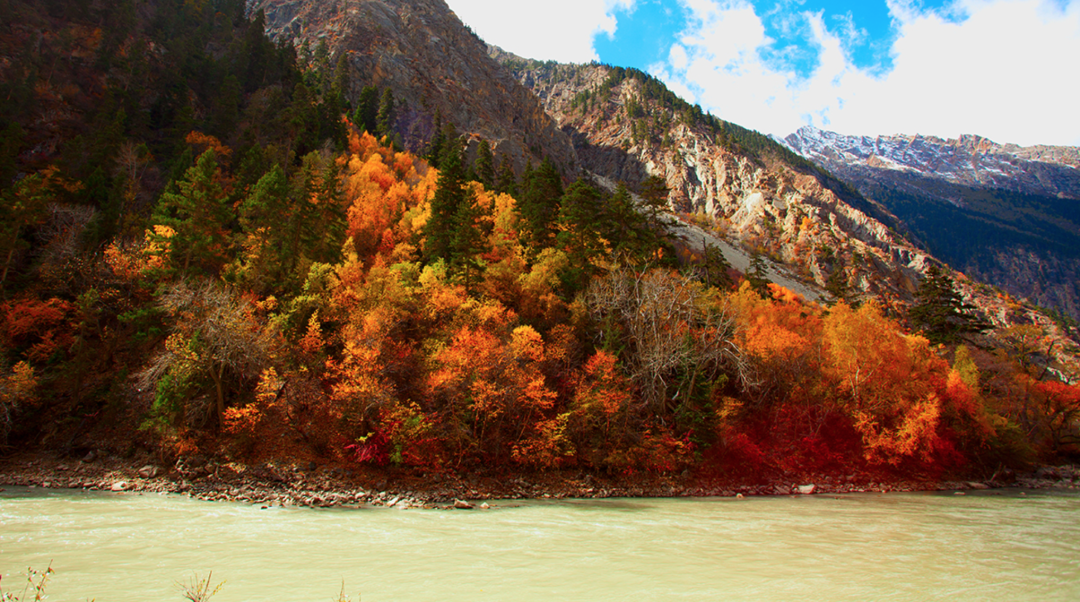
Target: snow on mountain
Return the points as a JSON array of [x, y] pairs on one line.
[[969, 160]]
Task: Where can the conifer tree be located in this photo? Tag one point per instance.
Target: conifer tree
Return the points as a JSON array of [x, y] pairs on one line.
[[21, 206], [539, 204], [626, 229], [384, 125], [447, 205], [837, 286], [939, 310], [438, 141], [196, 210], [367, 109], [505, 180], [578, 235], [654, 191], [261, 215], [716, 268], [484, 165], [339, 88], [757, 275]]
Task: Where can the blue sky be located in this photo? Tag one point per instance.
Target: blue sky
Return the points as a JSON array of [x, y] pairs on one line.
[[1004, 69]]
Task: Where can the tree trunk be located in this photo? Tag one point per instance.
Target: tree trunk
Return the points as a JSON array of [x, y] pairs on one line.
[[218, 378], [7, 263]]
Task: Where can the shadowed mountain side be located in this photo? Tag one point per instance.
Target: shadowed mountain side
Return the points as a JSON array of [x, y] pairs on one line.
[[433, 64]]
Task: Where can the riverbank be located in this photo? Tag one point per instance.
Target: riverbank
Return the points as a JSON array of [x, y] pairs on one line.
[[283, 484]]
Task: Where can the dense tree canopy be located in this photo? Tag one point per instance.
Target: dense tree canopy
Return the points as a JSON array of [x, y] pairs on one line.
[[218, 259]]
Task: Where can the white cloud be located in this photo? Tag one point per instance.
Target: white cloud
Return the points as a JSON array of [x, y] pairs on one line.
[[559, 30], [1006, 71]]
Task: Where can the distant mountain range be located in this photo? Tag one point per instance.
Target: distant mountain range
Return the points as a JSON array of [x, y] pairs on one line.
[[1003, 214]]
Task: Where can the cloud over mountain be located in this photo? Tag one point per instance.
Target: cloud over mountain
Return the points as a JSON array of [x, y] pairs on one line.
[[992, 67]]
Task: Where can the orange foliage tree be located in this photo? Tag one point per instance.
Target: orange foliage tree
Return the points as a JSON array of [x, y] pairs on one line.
[[492, 394], [891, 385]]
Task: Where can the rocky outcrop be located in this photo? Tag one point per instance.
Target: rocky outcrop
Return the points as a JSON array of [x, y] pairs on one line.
[[744, 194], [756, 201], [432, 62]]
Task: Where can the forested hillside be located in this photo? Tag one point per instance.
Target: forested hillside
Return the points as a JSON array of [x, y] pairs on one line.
[[212, 248]]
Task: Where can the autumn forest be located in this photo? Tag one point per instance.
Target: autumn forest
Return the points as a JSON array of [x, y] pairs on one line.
[[209, 247]]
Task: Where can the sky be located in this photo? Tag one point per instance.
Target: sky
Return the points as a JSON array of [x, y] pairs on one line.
[[1008, 70]]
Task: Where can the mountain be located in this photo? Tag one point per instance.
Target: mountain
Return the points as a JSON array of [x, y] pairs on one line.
[[207, 258], [743, 187], [750, 194], [971, 161], [433, 64], [1004, 214]]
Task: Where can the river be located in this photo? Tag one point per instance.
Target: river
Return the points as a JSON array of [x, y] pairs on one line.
[[997, 545]]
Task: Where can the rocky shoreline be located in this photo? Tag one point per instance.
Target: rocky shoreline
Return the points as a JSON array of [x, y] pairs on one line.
[[275, 484]]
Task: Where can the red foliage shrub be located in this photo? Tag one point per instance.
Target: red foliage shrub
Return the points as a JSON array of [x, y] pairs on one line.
[[36, 328]]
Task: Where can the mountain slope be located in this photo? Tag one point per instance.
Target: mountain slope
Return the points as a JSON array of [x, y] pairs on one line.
[[753, 192], [1003, 214], [432, 62]]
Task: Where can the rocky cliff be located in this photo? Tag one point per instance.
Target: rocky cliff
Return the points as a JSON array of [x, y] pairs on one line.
[[739, 185], [432, 62], [1004, 214]]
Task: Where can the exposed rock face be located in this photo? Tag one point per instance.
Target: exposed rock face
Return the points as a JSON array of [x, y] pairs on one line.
[[421, 50], [756, 202], [1003, 214]]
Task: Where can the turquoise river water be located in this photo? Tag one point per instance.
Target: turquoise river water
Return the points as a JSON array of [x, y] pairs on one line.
[[996, 545]]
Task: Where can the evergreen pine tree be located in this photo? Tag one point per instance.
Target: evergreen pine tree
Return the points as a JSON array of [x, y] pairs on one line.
[[654, 191], [339, 89], [939, 310], [757, 275], [626, 229], [367, 109], [384, 125], [484, 166], [578, 235], [837, 286], [450, 195], [505, 180], [716, 268], [452, 232], [539, 204], [438, 141], [197, 211]]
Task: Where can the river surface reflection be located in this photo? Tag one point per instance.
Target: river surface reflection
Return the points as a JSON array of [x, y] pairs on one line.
[[128, 547]]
